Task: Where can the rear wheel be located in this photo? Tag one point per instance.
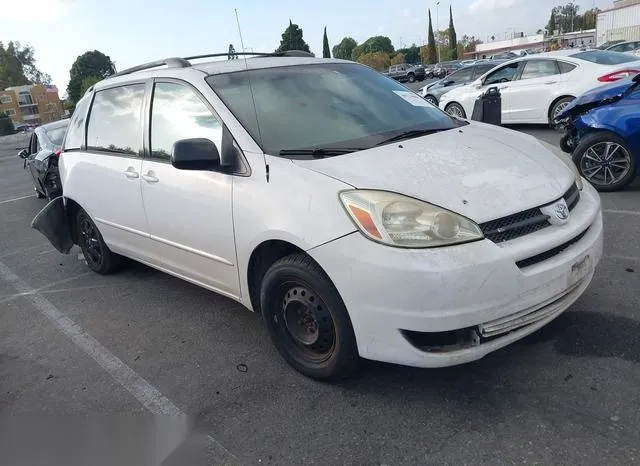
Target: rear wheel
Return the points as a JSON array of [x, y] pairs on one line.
[[455, 110], [432, 100], [307, 320], [605, 160], [99, 257], [412, 78]]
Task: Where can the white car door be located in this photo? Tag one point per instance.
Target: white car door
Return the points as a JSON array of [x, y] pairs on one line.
[[106, 178], [532, 94], [502, 78], [189, 212]]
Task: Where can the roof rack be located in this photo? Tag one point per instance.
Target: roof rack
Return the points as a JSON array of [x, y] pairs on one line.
[[177, 62]]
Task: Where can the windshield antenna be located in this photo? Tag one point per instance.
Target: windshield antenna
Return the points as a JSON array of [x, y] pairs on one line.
[[253, 99]]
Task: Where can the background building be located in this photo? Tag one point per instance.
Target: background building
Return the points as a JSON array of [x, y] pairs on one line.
[[32, 104], [622, 22]]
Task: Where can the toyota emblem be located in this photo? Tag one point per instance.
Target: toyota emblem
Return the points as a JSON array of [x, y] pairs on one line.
[[561, 211]]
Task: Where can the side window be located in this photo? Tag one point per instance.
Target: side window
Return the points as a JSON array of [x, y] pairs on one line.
[[178, 113], [75, 134], [539, 69], [461, 76], [480, 70], [115, 120], [566, 67], [502, 75]]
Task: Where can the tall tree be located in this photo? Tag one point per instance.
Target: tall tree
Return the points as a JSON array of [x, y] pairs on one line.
[[453, 41], [377, 60], [551, 25], [17, 66], [432, 54], [292, 39], [93, 64], [411, 54], [326, 51], [372, 45], [345, 48]]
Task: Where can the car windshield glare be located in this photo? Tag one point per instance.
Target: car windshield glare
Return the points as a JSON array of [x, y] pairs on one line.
[[326, 105], [56, 135], [604, 57]]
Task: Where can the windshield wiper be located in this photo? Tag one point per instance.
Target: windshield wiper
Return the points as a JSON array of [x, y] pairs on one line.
[[411, 134], [320, 151]]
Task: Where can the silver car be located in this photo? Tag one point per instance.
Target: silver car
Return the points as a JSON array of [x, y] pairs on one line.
[[432, 92]]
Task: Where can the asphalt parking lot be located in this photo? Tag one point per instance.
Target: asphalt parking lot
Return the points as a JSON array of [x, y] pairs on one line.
[[73, 342]]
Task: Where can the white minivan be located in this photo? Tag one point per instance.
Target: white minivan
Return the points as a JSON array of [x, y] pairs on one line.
[[360, 220]]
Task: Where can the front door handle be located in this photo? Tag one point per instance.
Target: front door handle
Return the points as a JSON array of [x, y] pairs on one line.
[[131, 173], [150, 177], [551, 82]]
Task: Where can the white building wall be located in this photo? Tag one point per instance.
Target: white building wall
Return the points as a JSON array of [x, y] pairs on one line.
[[619, 24]]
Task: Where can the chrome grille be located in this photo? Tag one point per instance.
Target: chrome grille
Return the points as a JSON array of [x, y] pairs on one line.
[[525, 222]]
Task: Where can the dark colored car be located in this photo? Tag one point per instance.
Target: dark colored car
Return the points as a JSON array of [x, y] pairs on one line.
[[602, 131], [41, 158], [432, 92], [404, 72]]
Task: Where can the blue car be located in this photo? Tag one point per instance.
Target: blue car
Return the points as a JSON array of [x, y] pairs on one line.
[[602, 131]]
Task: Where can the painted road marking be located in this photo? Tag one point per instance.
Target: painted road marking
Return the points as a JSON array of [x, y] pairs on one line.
[[621, 212], [16, 199], [149, 396], [22, 251]]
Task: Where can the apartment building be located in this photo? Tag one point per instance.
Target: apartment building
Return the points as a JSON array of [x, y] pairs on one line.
[[32, 104]]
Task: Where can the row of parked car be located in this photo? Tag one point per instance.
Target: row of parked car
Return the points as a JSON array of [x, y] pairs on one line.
[[537, 89]]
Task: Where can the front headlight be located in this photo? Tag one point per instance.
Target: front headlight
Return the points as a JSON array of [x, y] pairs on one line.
[[402, 221], [566, 159]]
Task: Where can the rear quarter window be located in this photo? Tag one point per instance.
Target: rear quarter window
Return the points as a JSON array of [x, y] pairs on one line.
[[74, 139], [566, 67]]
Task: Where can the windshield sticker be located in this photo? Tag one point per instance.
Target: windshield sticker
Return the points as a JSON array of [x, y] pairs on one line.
[[413, 98]]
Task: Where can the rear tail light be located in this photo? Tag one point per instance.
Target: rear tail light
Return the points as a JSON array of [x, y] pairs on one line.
[[616, 76], [58, 153]]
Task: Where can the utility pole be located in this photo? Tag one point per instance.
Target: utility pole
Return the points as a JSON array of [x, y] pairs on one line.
[[438, 33]]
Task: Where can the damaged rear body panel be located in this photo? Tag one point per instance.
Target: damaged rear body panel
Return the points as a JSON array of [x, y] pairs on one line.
[[53, 222]]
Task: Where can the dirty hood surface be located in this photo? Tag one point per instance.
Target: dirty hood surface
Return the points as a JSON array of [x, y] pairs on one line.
[[480, 171]]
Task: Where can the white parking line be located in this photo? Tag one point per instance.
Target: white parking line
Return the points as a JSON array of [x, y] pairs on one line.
[[16, 199], [621, 212], [149, 396], [21, 251]]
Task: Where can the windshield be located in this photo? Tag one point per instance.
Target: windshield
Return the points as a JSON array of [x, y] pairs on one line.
[[603, 57], [56, 135], [334, 105]]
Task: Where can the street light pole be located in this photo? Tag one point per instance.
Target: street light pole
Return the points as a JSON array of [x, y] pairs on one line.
[[438, 32]]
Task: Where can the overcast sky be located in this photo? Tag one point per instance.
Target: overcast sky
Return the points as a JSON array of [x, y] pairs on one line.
[[135, 31]]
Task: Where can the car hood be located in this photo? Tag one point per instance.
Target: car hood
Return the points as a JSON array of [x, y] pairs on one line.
[[601, 95], [482, 172]]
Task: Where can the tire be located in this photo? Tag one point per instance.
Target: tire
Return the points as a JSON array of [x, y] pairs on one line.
[[412, 78], [620, 164], [567, 144], [307, 320], [555, 109], [431, 99], [99, 257], [455, 109]]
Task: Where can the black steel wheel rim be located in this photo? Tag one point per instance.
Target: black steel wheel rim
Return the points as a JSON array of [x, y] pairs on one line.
[[90, 241], [605, 163], [304, 321]]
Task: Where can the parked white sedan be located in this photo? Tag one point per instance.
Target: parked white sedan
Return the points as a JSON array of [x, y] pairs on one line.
[[536, 88]]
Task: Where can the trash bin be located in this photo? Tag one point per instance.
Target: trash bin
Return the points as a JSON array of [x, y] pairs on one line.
[[488, 107]]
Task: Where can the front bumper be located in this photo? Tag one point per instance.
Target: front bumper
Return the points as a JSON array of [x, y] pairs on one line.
[[478, 287]]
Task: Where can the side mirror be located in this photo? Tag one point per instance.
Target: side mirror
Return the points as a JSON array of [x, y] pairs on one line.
[[195, 154], [23, 154], [449, 83]]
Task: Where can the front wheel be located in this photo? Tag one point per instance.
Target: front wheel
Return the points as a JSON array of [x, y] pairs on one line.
[[307, 320], [432, 100], [605, 160], [455, 110]]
